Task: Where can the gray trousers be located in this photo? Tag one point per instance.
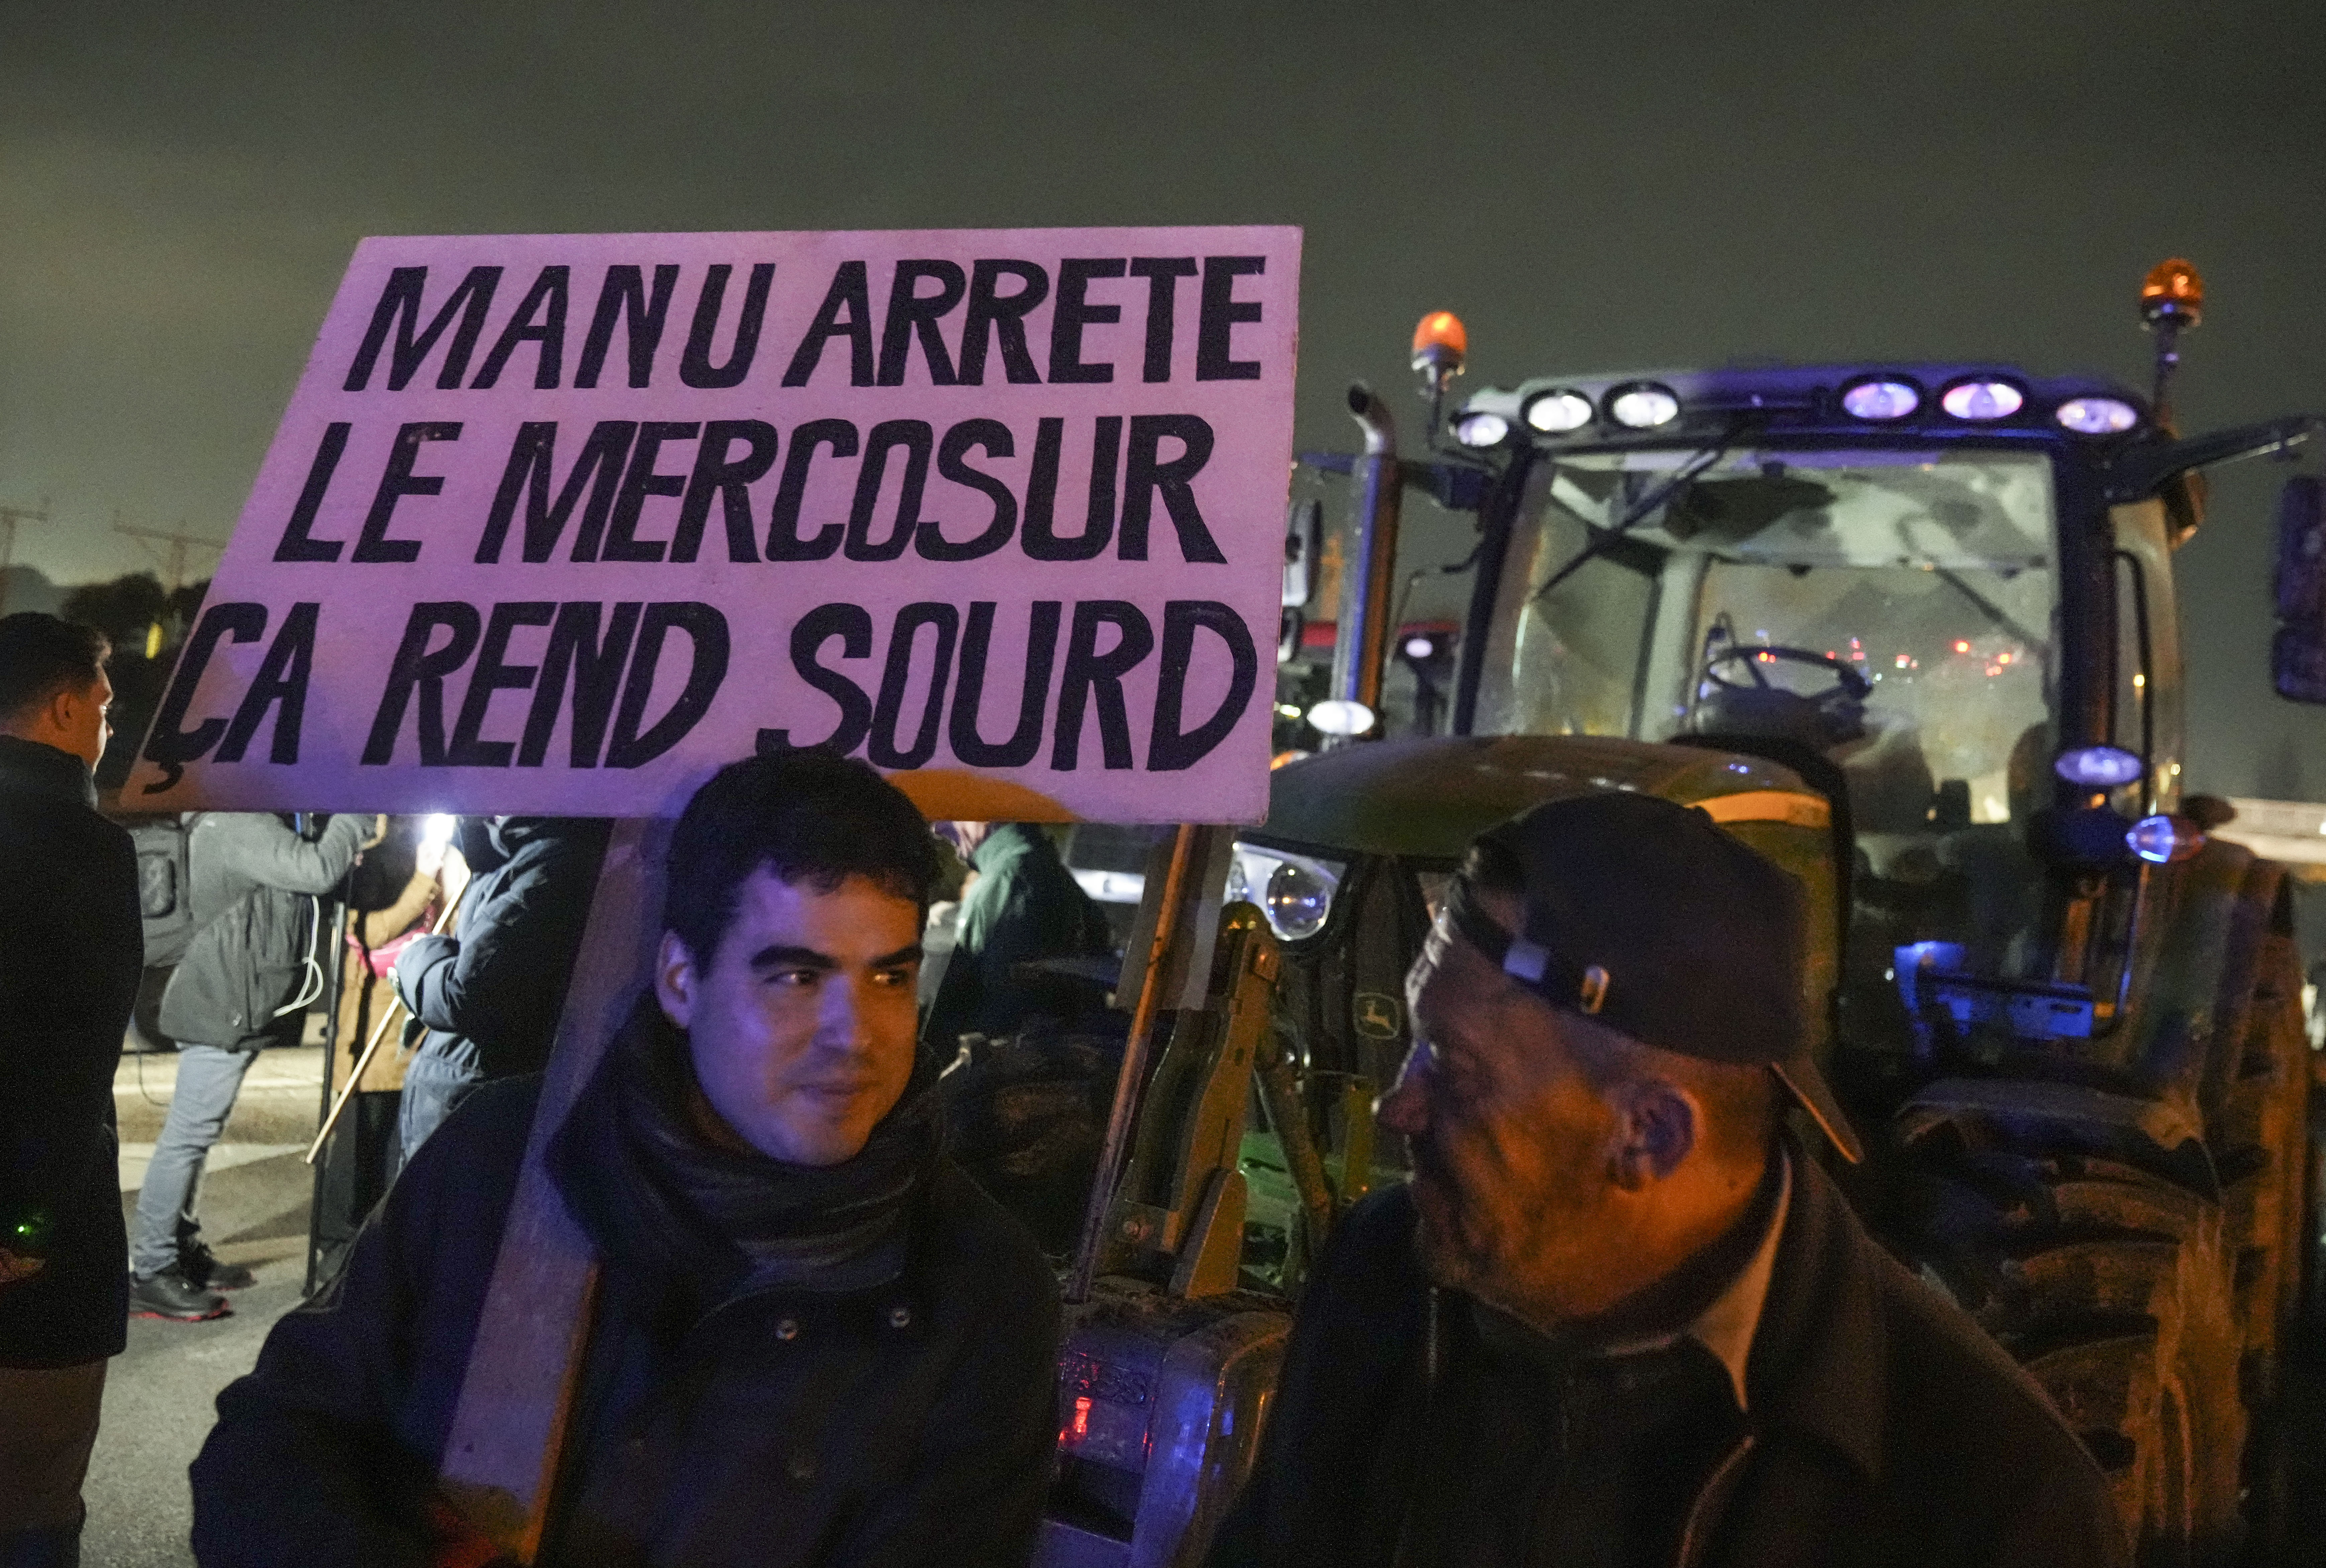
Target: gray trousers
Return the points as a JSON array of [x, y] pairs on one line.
[[209, 1078]]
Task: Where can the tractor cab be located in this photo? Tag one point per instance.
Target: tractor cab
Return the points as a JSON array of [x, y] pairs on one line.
[[1910, 583]]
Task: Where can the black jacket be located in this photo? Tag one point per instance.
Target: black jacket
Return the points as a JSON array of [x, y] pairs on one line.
[[71, 949], [910, 1423], [257, 884], [1884, 1428], [491, 992]]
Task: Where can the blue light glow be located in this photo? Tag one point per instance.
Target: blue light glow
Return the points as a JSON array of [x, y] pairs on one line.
[[2157, 841], [2100, 767]]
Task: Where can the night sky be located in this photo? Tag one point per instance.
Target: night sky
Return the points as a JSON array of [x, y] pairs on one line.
[[1591, 188]]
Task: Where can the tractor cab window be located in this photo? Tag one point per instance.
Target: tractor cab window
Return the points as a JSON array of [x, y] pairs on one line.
[[1893, 612]]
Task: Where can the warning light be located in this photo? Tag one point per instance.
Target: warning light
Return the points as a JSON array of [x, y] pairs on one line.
[[1081, 1416], [1440, 331], [2173, 291], [1439, 346]]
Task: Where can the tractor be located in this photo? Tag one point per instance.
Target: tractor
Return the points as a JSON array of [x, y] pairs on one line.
[[1910, 630]]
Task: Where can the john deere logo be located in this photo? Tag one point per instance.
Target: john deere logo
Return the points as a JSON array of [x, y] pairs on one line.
[[1377, 1017]]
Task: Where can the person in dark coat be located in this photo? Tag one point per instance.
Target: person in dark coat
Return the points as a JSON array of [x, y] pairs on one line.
[[71, 951], [489, 994], [254, 962], [1619, 1316], [815, 1341], [1024, 906]]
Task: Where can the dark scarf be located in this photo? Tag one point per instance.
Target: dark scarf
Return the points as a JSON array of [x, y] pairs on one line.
[[683, 1217]]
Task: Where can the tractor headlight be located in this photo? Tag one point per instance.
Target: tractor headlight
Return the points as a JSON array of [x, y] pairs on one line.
[[1982, 402], [1881, 399], [2095, 416], [1642, 405], [1557, 411], [1294, 891], [1482, 429]]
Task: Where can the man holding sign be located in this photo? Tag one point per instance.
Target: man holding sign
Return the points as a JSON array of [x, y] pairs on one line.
[[815, 1339], [559, 524]]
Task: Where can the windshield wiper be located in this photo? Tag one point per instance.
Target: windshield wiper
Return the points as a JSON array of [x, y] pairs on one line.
[[1603, 540]]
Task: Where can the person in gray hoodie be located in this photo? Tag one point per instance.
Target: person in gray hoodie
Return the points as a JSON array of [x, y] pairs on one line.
[[254, 962]]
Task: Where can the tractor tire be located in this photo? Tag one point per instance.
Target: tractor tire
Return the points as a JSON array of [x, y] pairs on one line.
[[2112, 1287], [2259, 1131]]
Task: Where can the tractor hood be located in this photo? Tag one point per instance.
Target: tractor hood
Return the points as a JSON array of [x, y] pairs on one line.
[[1426, 799]]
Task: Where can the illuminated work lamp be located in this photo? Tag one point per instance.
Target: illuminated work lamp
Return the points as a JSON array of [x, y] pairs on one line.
[[1982, 402], [1341, 716], [1557, 411], [1642, 405], [2096, 416], [1482, 429], [1880, 398], [2099, 767]]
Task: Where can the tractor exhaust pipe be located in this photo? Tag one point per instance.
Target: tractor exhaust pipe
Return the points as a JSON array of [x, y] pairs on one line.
[[1361, 651]]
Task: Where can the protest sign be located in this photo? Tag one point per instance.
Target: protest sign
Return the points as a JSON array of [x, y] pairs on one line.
[[561, 523]]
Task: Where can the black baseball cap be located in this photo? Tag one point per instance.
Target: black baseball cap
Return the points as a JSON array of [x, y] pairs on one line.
[[1644, 915]]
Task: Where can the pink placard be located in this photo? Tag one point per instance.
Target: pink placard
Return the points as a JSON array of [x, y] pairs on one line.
[[562, 523]]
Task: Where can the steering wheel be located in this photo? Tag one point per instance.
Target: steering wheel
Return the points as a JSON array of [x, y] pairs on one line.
[[1847, 678]]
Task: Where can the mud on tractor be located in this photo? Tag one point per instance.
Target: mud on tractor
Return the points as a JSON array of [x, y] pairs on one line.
[[1910, 630]]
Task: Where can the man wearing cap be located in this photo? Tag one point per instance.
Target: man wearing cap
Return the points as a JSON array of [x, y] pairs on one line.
[[1619, 1315]]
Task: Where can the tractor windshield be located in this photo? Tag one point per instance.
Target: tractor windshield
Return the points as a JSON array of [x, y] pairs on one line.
[[1893, 611]]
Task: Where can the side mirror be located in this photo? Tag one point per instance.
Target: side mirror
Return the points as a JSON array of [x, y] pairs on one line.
[[2297, 656]]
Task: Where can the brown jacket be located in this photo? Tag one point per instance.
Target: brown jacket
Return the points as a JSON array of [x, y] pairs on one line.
[[1884, 1427]]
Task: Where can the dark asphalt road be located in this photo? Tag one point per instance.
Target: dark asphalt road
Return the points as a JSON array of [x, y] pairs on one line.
[[158, 1393]]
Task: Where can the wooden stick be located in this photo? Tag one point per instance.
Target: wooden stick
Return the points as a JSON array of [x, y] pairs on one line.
[[379, 1033], [508, 1426]]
